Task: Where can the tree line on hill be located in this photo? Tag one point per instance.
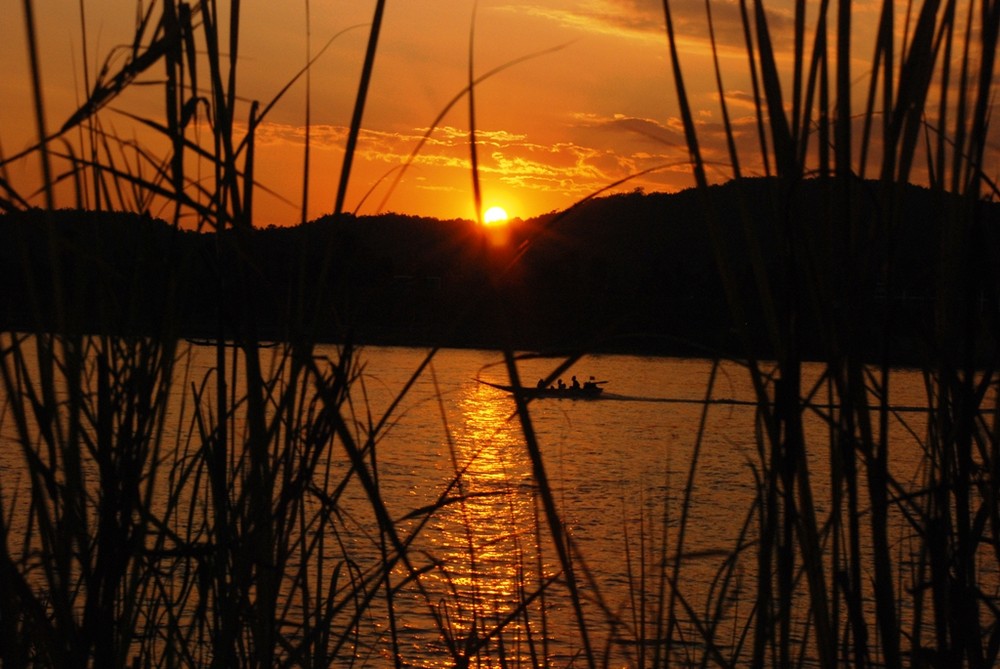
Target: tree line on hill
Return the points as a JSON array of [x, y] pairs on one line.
[[628, 272]]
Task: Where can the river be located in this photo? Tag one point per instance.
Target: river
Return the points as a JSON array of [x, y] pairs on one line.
[[668, 457], [619, 469]]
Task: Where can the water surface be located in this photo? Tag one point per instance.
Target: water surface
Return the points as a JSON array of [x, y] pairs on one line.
[[658, 474]]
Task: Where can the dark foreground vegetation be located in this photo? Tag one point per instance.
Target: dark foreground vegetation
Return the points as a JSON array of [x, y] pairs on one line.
[[627, 273], [136, 535]]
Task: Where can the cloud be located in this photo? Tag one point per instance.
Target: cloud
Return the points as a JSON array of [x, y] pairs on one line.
[[496, 137], [320, 135], [668, 134], [690, 18], [645, 20], [601, 16], [607, 150]]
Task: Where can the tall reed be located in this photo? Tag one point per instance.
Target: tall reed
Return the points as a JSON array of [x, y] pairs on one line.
[[832, 297], [222, 543]]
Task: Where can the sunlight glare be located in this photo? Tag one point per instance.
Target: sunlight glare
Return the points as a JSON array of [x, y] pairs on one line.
[[495, 216]]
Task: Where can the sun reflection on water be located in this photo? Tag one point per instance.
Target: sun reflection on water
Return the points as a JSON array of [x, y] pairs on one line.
[[487, 541]]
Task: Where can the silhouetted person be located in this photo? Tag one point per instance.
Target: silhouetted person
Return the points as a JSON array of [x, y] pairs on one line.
[[576, 384], [540, 384], [562, 386]]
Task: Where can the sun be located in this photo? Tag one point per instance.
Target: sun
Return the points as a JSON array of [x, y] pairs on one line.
[[495, 216]]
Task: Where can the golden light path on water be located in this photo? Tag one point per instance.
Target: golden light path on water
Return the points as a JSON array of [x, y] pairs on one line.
[[488, 540], [617, 470]]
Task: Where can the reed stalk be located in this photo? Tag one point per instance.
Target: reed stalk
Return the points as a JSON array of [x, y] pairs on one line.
[[105, 570], [831, 261]]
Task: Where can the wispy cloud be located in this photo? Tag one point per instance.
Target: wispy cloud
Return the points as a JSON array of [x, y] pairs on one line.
[[604, 149], [608, 149], [644, 20], [663, 134], [601, 16]]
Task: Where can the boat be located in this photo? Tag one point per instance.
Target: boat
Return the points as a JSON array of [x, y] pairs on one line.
[[588, 391], [228, 343]]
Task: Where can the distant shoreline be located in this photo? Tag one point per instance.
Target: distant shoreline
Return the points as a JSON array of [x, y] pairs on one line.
[[629, 273]]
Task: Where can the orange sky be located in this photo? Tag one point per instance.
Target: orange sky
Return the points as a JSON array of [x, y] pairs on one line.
[[551, 130]]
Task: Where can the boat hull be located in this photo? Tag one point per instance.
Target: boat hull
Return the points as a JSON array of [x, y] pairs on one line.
[[587, 392]]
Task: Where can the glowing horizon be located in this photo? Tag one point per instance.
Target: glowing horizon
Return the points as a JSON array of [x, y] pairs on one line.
[[581, 99], [495, 215]]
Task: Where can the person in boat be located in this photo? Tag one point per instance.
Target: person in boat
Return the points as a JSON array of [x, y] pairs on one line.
[[541, 384], [590, 384], [576, 384], [562, 384]]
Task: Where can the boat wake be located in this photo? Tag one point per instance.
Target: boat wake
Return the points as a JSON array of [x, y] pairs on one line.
[[675, 400]]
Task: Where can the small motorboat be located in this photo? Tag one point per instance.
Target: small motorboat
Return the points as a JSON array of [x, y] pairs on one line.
[[589, 390]]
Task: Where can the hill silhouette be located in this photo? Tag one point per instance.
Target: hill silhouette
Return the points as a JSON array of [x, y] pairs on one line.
[[631, 272]]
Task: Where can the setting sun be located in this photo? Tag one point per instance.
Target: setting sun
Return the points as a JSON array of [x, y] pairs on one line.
[[495, 216]]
